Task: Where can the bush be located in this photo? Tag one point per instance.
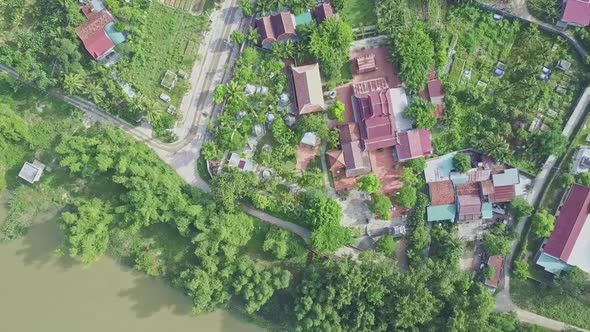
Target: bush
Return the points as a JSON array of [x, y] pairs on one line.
[[520, 269], [381, 206], [276, 242], [386, 245], [406, 197], [336, 111], [368, 183], [462, 162], [520, 208]]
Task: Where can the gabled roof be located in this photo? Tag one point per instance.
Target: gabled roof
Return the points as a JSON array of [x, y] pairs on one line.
[[349, 133], [503, 194], [323, 11], [374, 114], [572, 216], [469, 199], [441, 212], [92, 33], [355, 159], [487, 187], [280, 26], [577, 12], [307, 84], [497, 263], [434, 88], [441, 193], [477, 175], [413, 144]]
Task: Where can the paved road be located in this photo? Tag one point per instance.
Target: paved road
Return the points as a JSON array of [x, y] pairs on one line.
[[196, 107], [503, 300]]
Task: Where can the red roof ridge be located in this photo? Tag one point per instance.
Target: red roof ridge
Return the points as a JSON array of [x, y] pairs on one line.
[[572, 215]]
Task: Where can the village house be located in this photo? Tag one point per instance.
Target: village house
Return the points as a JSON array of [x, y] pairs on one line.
[[276, 28], [307, 85], [497, 264], [323, 11], [98, 33], [433, 92], [469, 196], [569, 243], [575, 13]]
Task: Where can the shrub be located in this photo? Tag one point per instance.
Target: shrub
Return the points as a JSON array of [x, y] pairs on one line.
[[386, 245]]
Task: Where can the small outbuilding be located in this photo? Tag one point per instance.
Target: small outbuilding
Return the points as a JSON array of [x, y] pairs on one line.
[[31, 172]]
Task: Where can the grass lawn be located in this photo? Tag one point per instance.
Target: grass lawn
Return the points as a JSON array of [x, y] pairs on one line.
[[547, 301], [360, 13], [169, 41]]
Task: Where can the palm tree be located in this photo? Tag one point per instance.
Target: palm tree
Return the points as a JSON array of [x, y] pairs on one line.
[[152, 111], [252, 36], [496, 146], [233, 92], [94, 91], [73, 83], [284, 50]]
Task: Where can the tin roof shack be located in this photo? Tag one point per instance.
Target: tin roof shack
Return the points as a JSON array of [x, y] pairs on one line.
[[497, 264]]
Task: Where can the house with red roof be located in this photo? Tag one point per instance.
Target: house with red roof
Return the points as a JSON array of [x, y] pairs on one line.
[[433, 92], [323, 11], [413, 143], [307, 85], [575, 13], [496, 263], [275, 28], [98, 33], [569, 243]]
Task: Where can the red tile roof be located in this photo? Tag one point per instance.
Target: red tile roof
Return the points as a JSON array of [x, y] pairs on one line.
[[335, 159], [577, 12], [503, 194], [497, 263], [92, 33], [280, 26], [349, 133], [323, 11], [434, 88], [413, 144], [374, 114], [572, 216], [487, 187], [308, 88], [441, 193], [469, 200], [468, 189]]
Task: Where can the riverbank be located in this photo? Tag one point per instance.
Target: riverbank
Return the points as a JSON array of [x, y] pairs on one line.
[[43, 292]]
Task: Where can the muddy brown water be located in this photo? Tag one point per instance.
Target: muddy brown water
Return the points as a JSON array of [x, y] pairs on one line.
[[42, 292]]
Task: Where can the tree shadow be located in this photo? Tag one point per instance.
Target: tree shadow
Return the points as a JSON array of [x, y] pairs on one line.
[[151, 295], [38, 246]]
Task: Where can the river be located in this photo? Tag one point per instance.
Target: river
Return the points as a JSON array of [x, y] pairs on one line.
[[41, 292]]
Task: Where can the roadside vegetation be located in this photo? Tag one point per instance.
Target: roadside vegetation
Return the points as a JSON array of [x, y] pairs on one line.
[[39, 41]]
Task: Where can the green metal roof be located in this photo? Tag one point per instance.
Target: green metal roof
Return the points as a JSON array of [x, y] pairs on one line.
[[460, 179], [441, 212], [302, 19], [486, 211], [115, 36]]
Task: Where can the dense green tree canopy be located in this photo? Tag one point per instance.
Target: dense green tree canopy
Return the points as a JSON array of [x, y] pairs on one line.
[[422, 112], [462, 162], [330, 43], [381, 206], [542, 224], [369, 183]]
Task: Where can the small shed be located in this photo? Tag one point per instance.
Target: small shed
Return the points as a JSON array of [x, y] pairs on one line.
[[564, 65], [31, 172], [309, 139]]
